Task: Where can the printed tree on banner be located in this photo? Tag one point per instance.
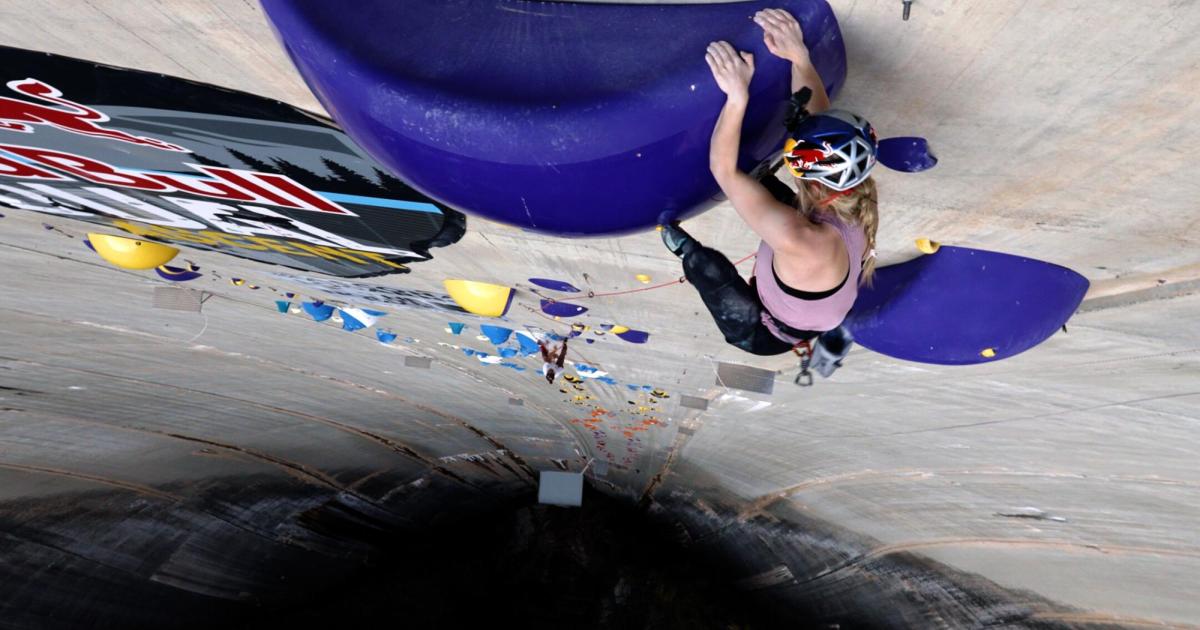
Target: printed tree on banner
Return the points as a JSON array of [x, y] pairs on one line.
[[348, 176], [253, 163], [207, 161], [298, 173]]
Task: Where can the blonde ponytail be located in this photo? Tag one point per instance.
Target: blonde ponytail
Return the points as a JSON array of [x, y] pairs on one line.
[[857, 206]]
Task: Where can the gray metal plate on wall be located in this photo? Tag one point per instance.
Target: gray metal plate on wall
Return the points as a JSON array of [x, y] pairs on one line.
[[176, 299], [418, 362], [560, 488], [746, 378]]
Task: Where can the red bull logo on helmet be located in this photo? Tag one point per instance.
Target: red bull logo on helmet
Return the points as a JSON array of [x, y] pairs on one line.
[[20, 115], [801, 156]]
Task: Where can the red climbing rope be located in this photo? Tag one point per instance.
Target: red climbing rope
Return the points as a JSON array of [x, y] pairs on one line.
[[681, 280], [593, 294], [745, 258]]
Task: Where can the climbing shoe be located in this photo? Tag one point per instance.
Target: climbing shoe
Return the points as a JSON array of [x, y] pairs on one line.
[[677, 240], [832, 346]]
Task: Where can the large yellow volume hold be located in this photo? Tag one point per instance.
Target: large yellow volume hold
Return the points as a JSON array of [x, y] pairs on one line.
[[480, 298], [131, 253]]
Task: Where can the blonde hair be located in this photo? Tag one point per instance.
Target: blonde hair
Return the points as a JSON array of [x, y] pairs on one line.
[[858, 206]]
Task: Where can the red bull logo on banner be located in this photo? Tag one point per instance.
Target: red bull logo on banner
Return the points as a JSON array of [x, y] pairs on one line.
[[19, 115], [199, 166]]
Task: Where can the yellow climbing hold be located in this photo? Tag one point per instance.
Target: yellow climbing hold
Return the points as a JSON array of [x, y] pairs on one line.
[[927, 246], [616, 330], [480, 298], [643, 278], [131, 253], [988, 353]]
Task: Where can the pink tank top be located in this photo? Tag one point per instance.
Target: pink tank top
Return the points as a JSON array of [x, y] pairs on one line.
[[815, 315]]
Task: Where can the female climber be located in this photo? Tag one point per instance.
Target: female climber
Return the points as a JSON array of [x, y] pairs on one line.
[[551, 360], [818, 244]]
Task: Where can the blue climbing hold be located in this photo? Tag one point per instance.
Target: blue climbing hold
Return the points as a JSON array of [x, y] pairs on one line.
[[634, 336], [554, 285], [318, 310], [960, 306], [495, 334], [572, 118], [527, 343], [358, 318], [562, 309], [385, 337], [907, 154], [176, 274]]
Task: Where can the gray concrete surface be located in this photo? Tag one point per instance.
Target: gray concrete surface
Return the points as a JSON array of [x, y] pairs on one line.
[[1064, 482]]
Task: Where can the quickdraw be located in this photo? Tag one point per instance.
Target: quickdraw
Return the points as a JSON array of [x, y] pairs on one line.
[[797, 109], [804, 351]]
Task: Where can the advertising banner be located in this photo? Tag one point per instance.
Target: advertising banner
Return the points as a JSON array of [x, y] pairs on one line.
[[189, 164]]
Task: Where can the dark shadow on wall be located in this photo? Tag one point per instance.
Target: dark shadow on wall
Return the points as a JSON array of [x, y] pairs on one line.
[[264, 552], [786, 563], [605, 565]]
